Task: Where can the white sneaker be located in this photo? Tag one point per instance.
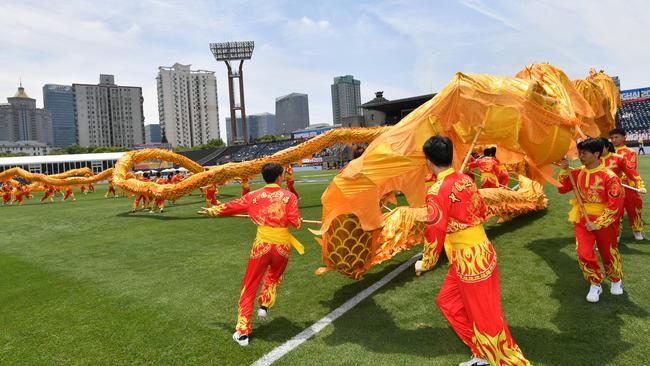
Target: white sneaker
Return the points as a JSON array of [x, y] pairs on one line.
[[616, 288], [475, 362], [618, 239], [594, 293], [242, 340], [638, 235], [262, 315]]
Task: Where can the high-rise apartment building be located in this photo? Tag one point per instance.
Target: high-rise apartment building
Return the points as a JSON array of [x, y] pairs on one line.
[[20, 120], [187, 105], [291, 113], [59, 100], [107, 114], [346, 98], [152, 133]]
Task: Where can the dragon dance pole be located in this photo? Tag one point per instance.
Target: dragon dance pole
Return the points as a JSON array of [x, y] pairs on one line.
[[471, 148]]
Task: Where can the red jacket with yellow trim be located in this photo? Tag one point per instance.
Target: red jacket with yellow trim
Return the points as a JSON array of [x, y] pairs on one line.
[[268, 206], [596, 186], [623, 168], [629, 156], [486, 164], [453, 204]]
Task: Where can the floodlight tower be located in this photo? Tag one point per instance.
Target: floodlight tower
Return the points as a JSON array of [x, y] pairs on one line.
[[231, 52]]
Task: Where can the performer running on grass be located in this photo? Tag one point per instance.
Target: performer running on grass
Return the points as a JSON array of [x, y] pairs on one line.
[[272, 209], [159, 203], [601, 194], [111, 188], [469, 297], [49, 192], [145, 199], [488, 166], [19, 193], [211, 195], [6, 193], [633, 201], [68, 193]]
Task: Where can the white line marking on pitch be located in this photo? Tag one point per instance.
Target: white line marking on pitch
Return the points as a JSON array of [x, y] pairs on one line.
[[301, 337]]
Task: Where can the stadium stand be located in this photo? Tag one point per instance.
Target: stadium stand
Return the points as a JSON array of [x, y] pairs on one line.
[[634, 117]]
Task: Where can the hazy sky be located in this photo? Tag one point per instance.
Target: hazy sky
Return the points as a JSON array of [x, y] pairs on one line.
[[404, 48]]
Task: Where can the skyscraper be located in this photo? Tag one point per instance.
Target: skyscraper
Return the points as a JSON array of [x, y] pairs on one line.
[[291, 113], [59, 100], [261, 124], [107, 114], [20, 120], [152, 133], [187, 105], [346, 98]]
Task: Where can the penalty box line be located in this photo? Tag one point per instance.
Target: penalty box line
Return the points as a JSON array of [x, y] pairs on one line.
[[309, 332]]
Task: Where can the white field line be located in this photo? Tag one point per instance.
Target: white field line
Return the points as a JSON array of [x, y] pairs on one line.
[[303, 336]]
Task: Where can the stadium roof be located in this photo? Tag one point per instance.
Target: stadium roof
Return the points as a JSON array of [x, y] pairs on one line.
[[46, 159], [396, 105]]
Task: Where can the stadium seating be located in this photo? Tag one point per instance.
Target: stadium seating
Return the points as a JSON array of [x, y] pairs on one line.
[[634, 116]]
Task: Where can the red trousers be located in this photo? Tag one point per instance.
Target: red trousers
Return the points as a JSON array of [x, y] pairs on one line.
[[291, 187], [19, 198], [605, 239], [145, 201], [265, 257], [67, 195], [160, 203], [633, 207], [111, 189], [6, 197], [470, 300]]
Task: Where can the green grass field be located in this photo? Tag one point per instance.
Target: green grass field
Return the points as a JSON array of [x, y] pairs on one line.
[[90, 283]]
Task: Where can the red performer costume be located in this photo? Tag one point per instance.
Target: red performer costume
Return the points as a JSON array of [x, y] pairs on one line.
[[245, 187], [456, 212], [272, 209], [68, 193], [288, 177], [83, 189], [488, 166], [19, 193], [111, 188], [6, 193], [470, 294], [625, 169], [91, 187], [211, 195], [160, 202], [503, 176], [602, 195], [48, 193], [143, 197], [633, 201]]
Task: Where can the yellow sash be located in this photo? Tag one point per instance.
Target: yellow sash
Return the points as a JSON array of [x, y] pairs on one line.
[[467, 238], [595, 209], [489, 175], [278, 235]]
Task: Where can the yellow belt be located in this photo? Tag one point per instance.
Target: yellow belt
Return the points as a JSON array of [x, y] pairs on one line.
[[467, 238], [595, 209], [489, 175], [278, 235]]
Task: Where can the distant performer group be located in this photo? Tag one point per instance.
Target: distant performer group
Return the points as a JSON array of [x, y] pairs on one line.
[[605, 186]]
